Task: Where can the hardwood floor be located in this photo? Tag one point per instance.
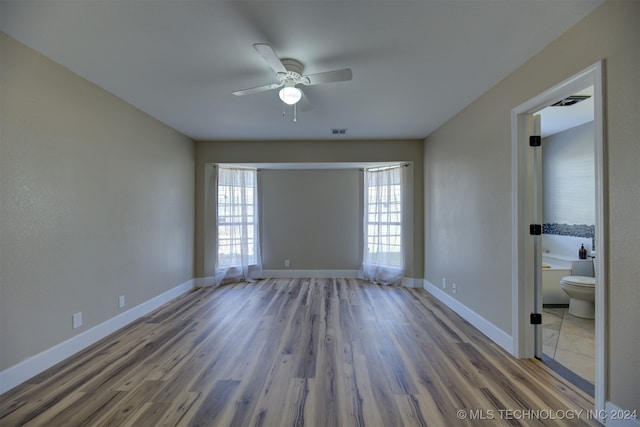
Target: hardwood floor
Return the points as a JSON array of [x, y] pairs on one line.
[[297, 352]]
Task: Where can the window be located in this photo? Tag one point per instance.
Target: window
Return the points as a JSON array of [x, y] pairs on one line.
[[237, 222], [383, 259]]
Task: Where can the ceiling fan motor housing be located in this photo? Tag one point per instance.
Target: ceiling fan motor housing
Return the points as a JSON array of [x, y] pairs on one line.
[[294, 72], [293, 66]]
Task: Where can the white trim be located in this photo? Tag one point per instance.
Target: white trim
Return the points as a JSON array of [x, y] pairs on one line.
[[316, 274], [408, 282], [494, 333], [521, 331], [520, 301], [613, 412], [602, 240], [17, 374]]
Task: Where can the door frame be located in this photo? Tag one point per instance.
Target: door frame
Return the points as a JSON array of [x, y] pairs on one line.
[[523, 333]]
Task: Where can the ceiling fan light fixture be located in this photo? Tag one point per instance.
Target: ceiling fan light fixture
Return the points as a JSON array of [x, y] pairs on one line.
[[290, 94]]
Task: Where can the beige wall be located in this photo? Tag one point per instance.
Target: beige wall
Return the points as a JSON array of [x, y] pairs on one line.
[[310, 151], [96, 202], [468, 185]]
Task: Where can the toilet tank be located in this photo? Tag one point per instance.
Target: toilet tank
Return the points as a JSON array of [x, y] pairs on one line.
[[582, 267]]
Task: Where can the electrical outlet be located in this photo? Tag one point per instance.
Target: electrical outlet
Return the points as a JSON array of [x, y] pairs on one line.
[[121, 301], [287, 263], [444, 283], [454, 288], [77, 320]]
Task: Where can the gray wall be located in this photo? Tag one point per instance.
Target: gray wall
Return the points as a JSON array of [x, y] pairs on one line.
[[311, 217], [208, 152], [468, 185], [96, 202]]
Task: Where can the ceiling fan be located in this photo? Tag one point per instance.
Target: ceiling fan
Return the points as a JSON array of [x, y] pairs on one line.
[[289, 74]]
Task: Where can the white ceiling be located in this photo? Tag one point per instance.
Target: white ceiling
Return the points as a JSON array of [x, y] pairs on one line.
[[415, 63], [558, 119]]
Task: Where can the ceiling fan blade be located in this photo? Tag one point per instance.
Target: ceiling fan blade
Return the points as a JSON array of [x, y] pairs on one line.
[[270, 56], [257, 89], [330, 76]]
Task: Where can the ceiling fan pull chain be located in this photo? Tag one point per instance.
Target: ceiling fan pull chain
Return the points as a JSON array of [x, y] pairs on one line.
[[295, 118], [283, 108]]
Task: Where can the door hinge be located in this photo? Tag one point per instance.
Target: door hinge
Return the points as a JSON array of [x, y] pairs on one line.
[[535, 229], [535, 141], [536, 318]]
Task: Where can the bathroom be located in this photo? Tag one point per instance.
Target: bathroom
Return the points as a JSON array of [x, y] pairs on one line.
[[568, 188]]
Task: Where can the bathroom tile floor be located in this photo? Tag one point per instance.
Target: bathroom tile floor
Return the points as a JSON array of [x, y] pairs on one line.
[[570, 341]]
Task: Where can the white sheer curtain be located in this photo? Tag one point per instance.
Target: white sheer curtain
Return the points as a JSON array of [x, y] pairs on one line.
[[383, 259], [237, 225]]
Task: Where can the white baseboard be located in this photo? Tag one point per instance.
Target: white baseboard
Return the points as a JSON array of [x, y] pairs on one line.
[[316, 274], [615, 416], [17, 374], [201, 282], [494, 333], [409, 282]]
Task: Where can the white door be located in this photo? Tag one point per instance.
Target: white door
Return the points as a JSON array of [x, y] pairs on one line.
[[535, 210]]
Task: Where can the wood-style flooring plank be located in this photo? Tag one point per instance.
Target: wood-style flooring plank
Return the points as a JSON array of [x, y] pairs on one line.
[[294, 352]]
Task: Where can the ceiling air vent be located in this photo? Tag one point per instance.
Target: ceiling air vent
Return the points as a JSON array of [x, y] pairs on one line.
[[338, 131], [570, 100]]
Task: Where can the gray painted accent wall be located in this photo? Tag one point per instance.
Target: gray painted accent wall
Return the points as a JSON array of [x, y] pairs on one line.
[[311, 217], [348, 243]]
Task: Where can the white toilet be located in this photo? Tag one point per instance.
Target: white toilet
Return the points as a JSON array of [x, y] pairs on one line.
[[582, 295]]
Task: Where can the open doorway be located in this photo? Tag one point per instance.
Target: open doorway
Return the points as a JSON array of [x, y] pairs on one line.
[[568, 236], [527, 202]]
